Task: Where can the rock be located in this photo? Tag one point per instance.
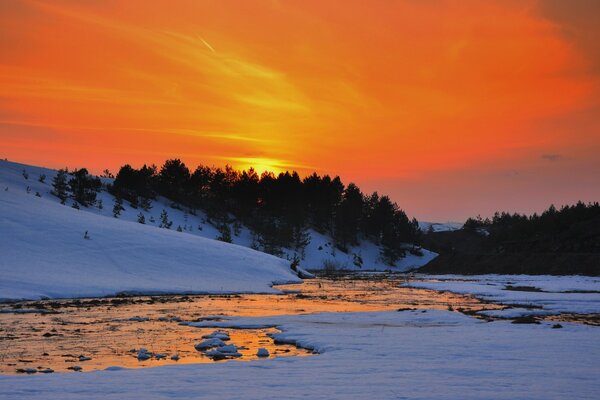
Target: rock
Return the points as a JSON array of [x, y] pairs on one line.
[[217, 354], [143, 355], [46, 371], [557, 326], [262, 352], [160, 356], [525, 319], [84, 358], [75, 368], [27, 370], [175, 357]]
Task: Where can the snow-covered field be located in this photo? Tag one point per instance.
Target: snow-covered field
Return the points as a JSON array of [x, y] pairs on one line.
[[318, 251], [554, 294], [44, 252], [389, 355]]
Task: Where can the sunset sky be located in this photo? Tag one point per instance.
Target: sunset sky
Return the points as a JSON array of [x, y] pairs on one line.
[[453, 108]]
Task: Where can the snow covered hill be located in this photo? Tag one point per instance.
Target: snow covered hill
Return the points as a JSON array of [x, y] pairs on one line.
[[440, 227], [23, 194], [54, 250]]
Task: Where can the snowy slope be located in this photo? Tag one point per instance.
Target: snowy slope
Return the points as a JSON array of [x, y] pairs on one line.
[[44, 252], [319, 250], [390, 355], [440, 227]]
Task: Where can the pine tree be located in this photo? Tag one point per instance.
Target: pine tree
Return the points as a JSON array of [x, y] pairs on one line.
[[164, 220], [300, 239], [118, 207], [59, 185], [25, 174], [141, 219], [179, 229], [100, 204], [225, 233], [145, 203], [84, 187], [42, 178]]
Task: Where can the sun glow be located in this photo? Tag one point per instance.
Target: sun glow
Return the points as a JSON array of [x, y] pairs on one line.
[[261, 164], [391, 94]]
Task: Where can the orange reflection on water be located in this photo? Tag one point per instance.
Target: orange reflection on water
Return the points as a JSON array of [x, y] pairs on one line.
[[103, 330]]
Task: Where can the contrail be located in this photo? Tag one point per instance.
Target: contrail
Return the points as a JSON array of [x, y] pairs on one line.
[[207, 45]]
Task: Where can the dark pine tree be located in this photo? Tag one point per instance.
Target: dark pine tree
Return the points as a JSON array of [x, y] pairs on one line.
[[59, 185], [173, 180], [118, 207], [84, 187], [348, 218], [164, 220]]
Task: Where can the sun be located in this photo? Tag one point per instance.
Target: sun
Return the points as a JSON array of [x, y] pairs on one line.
[[261, 164]]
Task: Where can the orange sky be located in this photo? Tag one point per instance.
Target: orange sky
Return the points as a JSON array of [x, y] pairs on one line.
[[453, 108]]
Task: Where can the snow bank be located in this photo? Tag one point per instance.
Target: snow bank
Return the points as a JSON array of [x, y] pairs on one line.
[[410, 354], [43, 252], [576, 294]]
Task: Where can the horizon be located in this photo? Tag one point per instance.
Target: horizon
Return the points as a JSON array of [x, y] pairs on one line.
[[302, 176], [452, 109]]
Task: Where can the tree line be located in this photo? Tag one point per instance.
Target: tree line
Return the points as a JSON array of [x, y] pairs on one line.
[[279, 209], [570, 228]]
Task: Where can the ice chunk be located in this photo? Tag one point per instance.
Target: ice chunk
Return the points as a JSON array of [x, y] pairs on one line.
[[209, 344], [262, 352]]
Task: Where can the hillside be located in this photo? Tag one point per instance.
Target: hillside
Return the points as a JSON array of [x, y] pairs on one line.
[[44, 252], [319, 252]]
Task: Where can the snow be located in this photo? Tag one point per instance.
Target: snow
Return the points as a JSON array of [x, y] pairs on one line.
[[440, 227], [514, 313], [209, 343], [319, 250], [410, 354], [44, 253], [566, 294], [217, 335], [262, 352]]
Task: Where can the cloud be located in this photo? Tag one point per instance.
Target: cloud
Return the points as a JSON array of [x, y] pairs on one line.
[[551, 157], [578, 20]]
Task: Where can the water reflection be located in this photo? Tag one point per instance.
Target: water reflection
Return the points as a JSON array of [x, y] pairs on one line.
[[110, 331]]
